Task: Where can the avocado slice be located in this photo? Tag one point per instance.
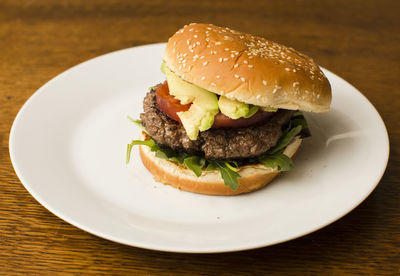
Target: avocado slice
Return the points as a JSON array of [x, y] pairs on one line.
[[235, 109], [201, 113], [269, 109]]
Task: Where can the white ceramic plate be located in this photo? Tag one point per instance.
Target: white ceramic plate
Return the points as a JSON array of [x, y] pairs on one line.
[[68, 146]]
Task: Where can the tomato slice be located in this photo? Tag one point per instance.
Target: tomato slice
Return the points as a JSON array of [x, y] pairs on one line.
[[222, 121], [170, 106]]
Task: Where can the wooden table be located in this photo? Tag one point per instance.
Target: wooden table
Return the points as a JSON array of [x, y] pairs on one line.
[[359, 40]]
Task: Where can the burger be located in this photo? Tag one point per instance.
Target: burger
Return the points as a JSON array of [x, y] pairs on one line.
[[228, 118]]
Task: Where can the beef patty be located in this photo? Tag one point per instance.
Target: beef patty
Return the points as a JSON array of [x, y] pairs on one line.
[[243, 142]]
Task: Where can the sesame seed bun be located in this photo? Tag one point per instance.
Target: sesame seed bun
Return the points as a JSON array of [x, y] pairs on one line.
[[247, 68], [253, 177]]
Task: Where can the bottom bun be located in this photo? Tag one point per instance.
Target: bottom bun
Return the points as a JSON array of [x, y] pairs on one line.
[[253, 177]]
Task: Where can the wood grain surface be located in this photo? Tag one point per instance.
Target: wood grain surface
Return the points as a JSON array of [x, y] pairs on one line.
[[359, 40]]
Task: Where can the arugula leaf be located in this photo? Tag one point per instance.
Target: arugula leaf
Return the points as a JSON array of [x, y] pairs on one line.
[[210, 167], [228, 164], [128, 153], [297, 113], [299, 122], [177, 159], [153, 88], [150, 143], [137, 123], [195, 163], [161, 154], [280, 160], [286, 138], [229, 176], [274, 156]]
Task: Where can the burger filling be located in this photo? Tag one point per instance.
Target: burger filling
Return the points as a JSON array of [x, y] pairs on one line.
[[228, 142], [196, 128]]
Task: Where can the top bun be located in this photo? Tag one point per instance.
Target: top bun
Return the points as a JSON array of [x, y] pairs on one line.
[[247, 68]]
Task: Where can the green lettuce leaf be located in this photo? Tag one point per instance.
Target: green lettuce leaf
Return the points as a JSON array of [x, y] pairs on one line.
[[299, 122], [150, 143], [137, 123], [229, 176], [286, 138], [210, 167], [195, 163], [274, 157], [280, 160]]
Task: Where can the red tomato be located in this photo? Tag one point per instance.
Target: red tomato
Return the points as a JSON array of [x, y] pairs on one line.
[[170, 106], [167, 103], [222, 121]]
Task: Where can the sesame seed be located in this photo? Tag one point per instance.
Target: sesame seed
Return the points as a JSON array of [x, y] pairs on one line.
[[294, 70], [191, 30], [203, 78], [198, 42], [242, 79], [188, 42], [295, 84], [287, 69], [232, 55], [195, 36], [265, 82], [226, 49], [213, 84], [217, 43], [185, 54], [220, 59], [236, 65], [245, 61], [225, 59], [205, 63], [236, 76], [217, 76], [226, 37], [250, 66], [201, 57]]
